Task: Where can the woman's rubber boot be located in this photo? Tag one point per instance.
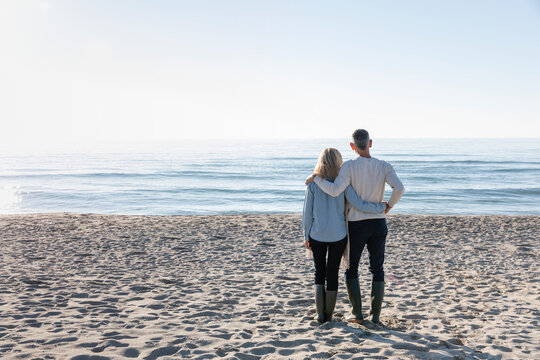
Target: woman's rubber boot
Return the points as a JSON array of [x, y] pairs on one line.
[[353, 289], [330, 304], [377, 294], [319, 302]]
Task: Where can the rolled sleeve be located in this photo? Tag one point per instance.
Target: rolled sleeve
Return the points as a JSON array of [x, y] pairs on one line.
[[395, 183]]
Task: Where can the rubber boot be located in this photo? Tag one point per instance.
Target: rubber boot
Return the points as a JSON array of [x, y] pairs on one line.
[[377, 294], [330, 304], [319, 302], [353, 289]]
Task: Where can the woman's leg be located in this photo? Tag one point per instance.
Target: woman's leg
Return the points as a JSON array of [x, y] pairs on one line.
[[335, 252], [319, 258]]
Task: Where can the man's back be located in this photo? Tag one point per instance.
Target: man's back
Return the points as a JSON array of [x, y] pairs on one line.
[[368, 177]]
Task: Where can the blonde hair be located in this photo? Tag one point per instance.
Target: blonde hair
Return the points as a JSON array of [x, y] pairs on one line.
[[329, 164]]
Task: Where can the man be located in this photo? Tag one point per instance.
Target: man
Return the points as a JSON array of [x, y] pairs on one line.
[[368, 177]]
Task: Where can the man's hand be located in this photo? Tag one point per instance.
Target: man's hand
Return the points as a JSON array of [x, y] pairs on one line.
[[388, 207], [310, 178], [306, 244]]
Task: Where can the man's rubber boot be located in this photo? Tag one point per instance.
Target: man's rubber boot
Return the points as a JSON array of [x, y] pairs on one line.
[[330, 304], [377, 294], [319, 302], [353, 289]]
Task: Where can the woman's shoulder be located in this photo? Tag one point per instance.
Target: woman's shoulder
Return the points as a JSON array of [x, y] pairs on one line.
[[313, 188]]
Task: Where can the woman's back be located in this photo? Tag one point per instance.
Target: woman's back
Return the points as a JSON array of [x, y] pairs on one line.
[[324, 215]]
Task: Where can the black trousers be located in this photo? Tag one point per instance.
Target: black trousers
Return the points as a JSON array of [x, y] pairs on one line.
[[327, 269], [371, 232]]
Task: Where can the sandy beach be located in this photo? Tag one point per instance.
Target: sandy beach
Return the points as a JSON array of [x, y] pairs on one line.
[[239, 287]]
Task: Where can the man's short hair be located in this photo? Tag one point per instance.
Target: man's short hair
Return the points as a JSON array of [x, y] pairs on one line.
[[361, 139]]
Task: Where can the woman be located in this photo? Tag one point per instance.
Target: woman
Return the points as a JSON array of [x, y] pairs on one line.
[[325, 230]]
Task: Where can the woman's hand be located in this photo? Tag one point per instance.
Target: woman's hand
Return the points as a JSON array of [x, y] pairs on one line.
[[388, 207], [307, 245], [310, 178]]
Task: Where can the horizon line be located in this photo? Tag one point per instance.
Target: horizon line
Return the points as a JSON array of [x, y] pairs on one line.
[[295, 138]]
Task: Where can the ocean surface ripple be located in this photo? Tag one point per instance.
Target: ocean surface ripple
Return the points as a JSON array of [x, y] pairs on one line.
[[466, 176]]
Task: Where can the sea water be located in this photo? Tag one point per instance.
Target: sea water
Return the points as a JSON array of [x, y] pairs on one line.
[[195, 177]]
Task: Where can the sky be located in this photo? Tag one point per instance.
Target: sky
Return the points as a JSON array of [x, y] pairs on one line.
[[75, 71]]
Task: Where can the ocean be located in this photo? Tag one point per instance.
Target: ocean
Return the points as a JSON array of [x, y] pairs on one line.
[[441, 176]]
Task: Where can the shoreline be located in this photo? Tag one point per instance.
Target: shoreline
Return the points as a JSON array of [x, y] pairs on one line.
[[64, 213], [239, 287]]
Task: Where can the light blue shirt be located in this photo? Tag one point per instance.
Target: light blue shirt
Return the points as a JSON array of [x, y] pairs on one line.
[[324, 215]]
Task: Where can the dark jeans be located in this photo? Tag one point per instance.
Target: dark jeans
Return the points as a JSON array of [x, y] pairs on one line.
[[327, 270], [371, 232]]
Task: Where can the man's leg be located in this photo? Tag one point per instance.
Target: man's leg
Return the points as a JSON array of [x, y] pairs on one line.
[[376, 247], [376, 244], [319, 259], [357, 237]]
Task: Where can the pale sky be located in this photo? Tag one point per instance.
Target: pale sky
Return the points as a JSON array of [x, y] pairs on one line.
[[147, 70]]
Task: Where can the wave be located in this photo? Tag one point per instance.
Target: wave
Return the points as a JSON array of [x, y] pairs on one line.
[[266, 179], [256, 174], [456, 193], [185, 191], [135, 175], [490, 162]]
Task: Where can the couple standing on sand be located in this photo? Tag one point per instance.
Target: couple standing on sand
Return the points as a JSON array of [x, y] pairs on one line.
[[343, 212]]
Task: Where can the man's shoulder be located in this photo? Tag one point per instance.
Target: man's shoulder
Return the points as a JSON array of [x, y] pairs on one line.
[[356, 163], [381, 162], [373, 163], [347, 164], [361, 161]]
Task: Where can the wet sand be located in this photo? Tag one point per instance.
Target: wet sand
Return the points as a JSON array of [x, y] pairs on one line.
[[170, 287]]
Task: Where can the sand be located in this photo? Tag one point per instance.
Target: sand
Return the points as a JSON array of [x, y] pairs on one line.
[[113, 287]]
